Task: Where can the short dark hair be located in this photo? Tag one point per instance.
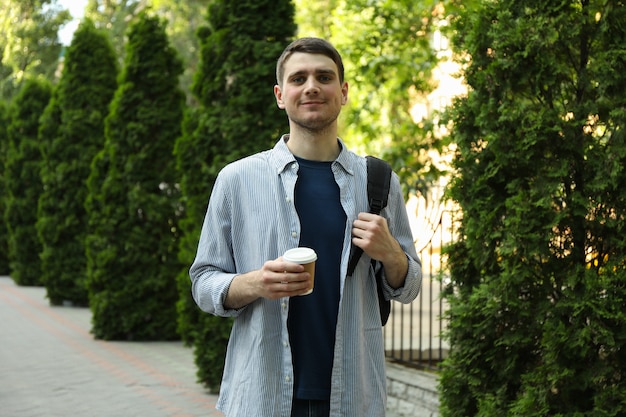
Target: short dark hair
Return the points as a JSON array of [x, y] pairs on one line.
[[309, 46]]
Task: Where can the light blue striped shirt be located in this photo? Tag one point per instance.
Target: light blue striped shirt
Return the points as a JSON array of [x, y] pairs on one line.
[[251, 218]]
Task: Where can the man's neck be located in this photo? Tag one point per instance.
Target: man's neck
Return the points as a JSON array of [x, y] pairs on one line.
[[318, 146]]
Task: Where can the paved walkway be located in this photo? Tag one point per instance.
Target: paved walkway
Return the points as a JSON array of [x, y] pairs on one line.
[[50, 365]]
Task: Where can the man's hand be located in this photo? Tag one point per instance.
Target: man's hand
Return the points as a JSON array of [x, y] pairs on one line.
[[370, 232], [276, 279]]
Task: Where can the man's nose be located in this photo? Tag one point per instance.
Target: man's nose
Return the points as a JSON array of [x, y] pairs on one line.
[[311, 86]]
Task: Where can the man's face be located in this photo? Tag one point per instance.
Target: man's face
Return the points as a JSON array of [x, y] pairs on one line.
[[311, 93]]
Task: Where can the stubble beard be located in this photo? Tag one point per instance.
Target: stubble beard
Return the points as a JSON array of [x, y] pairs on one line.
[[315, 127]]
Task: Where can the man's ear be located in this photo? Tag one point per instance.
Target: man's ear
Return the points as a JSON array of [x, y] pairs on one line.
[[279, 97]]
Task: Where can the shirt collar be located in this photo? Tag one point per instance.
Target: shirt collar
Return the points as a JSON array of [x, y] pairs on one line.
[[283, 158]]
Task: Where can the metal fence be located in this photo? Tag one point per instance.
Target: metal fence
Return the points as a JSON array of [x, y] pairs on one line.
[[413, 332]]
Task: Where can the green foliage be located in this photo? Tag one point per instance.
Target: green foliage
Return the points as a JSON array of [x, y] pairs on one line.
[[4, 245], [183, 20], [314, 18], [29, 44], [538, 279], [189, 153], [389, 59], [132, 202], [115, 16], [72, 132], [22, 181], [238, 116]]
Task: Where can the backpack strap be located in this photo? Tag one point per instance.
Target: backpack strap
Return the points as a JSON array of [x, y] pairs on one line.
[[378, 180], [378, 183]]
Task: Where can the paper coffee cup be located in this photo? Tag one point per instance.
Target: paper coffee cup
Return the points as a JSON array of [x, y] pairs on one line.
[[305, 257]]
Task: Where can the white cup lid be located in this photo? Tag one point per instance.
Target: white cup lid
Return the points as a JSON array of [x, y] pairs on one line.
[[300, 255]]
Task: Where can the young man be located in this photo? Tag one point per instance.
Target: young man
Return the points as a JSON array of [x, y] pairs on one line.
[[292, 354]]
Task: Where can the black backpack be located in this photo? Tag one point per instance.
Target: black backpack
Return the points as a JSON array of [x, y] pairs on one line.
[[378, 180]]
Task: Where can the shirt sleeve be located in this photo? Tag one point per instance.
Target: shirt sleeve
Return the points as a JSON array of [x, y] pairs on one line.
[[213, 269], [398, 221]]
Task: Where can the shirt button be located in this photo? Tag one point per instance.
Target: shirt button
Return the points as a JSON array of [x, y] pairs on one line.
[[288, 199], [287, 378], [284, 305], [294, 234]]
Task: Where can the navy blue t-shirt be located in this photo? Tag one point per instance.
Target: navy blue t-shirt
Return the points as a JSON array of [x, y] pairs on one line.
[[313, 318]]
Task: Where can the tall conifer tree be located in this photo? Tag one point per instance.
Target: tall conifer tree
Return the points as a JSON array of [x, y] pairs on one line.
[[132, 203], [23, 182], [71, 134], [238, 116], [536, 321], [4, 144]]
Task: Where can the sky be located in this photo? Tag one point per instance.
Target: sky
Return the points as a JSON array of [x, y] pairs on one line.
[[76, 8]]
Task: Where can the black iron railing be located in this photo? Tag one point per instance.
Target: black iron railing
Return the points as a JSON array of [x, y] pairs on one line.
[[413, 333]]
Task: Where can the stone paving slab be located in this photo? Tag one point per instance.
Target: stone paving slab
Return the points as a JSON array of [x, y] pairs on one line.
[[50, 365]]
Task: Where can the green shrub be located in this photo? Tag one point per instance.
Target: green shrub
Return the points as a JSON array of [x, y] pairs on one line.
[[4, 244], [133, 198], [23, 182], [538, 278], [71, 134]]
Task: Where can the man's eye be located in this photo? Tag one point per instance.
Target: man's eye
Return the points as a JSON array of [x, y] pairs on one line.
[[297, 80]]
